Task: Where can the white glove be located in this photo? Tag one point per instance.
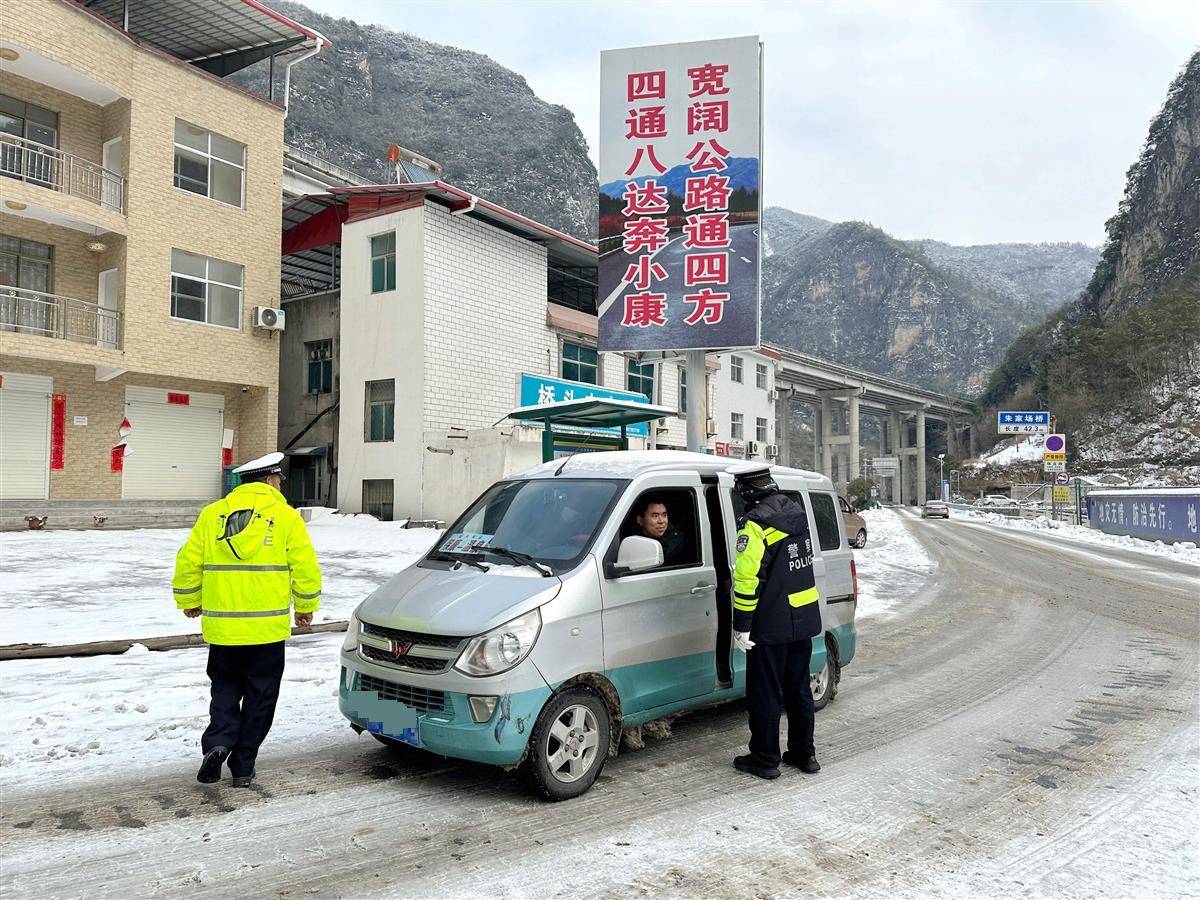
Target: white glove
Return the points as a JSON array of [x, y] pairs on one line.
[[741, 640]]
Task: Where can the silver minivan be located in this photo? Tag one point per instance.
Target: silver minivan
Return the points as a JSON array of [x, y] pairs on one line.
[[542, 622]]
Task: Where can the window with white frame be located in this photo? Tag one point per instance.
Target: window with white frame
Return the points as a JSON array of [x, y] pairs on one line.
[[760, 430], [682, 390], [737, 423], [320, 366], [580, 363], [380, 419], [209, 164], [736, 366], [206, 290], [640, 379], [760, 376], [383, 262]]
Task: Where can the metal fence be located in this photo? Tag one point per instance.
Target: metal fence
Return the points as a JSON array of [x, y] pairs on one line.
[[52, 168], [52, 315]]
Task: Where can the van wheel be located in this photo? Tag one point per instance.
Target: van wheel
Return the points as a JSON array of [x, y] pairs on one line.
[[825, 683], [860, 540], [569, 744]]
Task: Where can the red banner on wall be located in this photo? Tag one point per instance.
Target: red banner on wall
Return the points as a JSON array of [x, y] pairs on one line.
[[118, 458], [227, 456], [181, 399], [58, 431]]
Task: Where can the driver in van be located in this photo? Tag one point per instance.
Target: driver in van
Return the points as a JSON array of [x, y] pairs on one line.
[[654, 522], [776, 615]]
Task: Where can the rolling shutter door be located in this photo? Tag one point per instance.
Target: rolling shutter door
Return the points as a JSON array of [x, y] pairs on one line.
[[25, 436], [174, 449]]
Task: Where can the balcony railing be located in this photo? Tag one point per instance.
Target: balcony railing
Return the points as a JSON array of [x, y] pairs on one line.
[[59, 171], [52, 315]]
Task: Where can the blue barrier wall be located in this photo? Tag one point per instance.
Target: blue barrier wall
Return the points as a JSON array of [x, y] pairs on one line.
[[1165, 514]]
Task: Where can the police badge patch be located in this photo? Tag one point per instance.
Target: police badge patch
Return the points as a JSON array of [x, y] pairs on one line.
[[743, 542]]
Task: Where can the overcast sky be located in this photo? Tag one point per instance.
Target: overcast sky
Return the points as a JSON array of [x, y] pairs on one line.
[[966, 122]]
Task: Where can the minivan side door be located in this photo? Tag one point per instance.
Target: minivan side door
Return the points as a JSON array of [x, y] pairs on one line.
[[660, 626], [834, 578]]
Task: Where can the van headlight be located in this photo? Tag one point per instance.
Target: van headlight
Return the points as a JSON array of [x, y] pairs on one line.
[[502, 648], [352, 629]]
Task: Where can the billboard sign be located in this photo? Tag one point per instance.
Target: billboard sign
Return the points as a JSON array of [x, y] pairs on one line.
[[1154, 514], [680, 196], [534, 390], [1023, 422]]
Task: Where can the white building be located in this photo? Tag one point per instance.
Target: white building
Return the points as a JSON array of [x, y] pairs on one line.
[[743, 406], [450, 312]]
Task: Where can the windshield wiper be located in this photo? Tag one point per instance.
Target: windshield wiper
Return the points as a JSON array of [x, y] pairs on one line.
[[523, 558], [459, 560]]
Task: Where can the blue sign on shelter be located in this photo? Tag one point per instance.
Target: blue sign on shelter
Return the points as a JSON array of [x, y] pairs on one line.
[[533, 390]]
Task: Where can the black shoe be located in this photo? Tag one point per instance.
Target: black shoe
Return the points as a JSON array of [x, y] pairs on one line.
[[243, 780], [807, 764], [210, 768], [750, 767]]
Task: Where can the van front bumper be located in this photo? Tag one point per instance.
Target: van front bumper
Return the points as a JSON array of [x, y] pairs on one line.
[[433, 712]]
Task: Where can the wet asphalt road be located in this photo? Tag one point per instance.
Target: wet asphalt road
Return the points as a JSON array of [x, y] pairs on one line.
[[1027, 725]]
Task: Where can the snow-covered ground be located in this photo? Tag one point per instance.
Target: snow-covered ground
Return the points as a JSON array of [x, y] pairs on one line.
[[892, 567], [1184, 551], [1008, 452], [65, 587], [77, 718]]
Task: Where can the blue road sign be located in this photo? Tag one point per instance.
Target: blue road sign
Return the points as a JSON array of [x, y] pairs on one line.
[[1023, 422], [535, 389]]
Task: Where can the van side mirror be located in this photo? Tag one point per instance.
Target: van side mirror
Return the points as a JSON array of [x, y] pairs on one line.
[[636, 554]]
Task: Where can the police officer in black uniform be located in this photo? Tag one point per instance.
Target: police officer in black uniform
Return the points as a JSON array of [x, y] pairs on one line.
[[776, 615]]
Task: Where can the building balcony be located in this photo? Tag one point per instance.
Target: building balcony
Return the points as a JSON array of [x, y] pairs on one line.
[[59, 171], [54, 316]]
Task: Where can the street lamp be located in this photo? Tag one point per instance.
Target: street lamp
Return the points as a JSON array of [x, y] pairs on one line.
[[942, 475]]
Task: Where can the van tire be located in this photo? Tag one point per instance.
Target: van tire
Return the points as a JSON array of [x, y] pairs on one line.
[[832, 673], [582, 713]]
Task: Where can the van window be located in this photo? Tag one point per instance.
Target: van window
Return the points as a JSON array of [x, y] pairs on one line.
[[825, 512], [551, 519], [739, 508], [668, 515]]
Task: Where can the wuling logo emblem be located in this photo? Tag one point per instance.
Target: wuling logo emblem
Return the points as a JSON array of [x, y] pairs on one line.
[[399, 648]]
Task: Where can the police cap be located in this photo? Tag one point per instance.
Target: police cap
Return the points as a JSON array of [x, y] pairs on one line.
[[271, 464], [753, 482]]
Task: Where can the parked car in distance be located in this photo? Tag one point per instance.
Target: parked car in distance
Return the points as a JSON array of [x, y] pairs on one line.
[[856, 525], [935, 509], [996, 500]]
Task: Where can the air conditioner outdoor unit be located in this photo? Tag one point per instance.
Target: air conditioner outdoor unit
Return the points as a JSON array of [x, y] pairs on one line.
[[774, 393], [712, 427], [269, 318], [772, 451], [751, 448]]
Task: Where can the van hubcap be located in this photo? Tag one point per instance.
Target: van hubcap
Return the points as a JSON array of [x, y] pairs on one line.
[[572, 744], [819, 682]]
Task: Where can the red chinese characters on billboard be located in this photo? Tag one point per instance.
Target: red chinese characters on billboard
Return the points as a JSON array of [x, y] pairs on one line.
[[679, 252]]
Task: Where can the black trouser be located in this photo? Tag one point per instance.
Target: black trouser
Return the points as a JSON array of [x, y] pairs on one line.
[[777, 680], [245, 685]]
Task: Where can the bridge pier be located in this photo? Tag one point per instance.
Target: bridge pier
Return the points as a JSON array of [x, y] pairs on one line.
[[922, 494], [853, 428]]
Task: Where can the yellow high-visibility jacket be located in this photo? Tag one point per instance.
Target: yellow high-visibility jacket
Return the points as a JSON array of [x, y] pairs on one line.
[[247, 559]]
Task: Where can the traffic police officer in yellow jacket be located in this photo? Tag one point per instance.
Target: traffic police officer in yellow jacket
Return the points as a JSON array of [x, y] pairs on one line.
[[247, 562], [776, 615]]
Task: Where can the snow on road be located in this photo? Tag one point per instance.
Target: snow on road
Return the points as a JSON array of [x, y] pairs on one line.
[[87, 718], [66, 587], [1184, 551], [892, 567]]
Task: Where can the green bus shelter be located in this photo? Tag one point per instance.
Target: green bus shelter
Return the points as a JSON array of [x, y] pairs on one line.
[[591, 414]]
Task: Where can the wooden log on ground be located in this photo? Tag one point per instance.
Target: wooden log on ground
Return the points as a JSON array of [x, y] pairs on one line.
[[104, 648]]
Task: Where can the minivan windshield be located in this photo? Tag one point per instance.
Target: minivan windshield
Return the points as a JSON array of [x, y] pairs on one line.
[[552, 520]]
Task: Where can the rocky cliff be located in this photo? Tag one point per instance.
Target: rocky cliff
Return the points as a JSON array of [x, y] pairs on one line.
[[923, 311], [1120, 366], [375, 87]]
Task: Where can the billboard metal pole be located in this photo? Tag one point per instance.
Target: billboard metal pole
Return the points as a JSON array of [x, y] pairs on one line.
[[697, 402]]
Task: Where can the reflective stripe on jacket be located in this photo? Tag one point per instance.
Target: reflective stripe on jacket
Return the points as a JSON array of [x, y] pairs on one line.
[[775, 594], [246, 562]]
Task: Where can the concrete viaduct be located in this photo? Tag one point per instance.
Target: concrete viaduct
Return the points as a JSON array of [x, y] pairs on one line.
[[841, 395]]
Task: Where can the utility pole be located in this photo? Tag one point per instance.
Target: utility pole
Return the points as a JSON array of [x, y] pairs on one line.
[[697, 401]]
